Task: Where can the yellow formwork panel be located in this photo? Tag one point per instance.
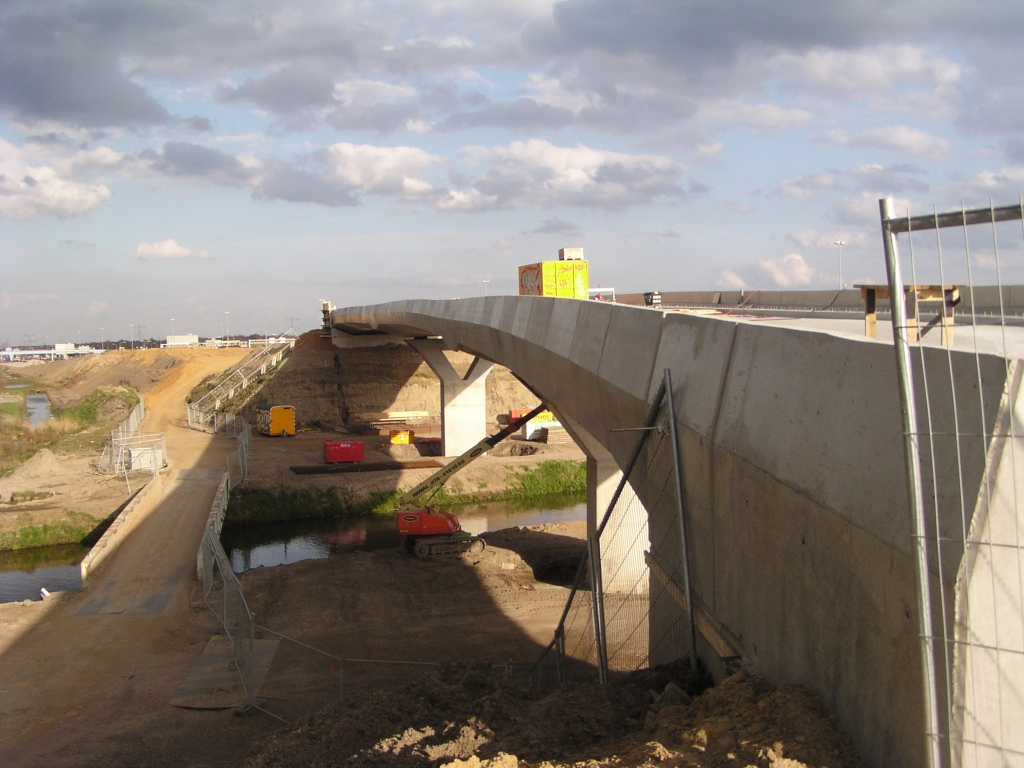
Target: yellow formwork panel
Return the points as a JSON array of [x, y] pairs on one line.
[[581, 278], [565, 279]]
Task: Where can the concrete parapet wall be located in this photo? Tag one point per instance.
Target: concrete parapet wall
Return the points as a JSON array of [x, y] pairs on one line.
[[122, 525], [794, 475]]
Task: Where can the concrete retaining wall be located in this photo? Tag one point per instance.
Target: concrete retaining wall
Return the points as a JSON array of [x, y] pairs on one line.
[[794, 469], [123, 524]]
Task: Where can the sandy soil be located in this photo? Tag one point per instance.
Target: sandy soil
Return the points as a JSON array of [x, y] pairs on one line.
[[272, 457], [68, 478], [85, 678]]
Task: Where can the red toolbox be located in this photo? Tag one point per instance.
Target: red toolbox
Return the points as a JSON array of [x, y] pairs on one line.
[[336, 452]]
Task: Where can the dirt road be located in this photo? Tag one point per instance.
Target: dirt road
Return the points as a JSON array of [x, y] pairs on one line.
[[83, 677]]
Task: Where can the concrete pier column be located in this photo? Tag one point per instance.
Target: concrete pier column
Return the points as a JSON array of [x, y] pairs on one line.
[[622, 558], [463, 398]]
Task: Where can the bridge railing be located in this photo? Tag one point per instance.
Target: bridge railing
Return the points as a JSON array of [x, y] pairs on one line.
[[204, 414]]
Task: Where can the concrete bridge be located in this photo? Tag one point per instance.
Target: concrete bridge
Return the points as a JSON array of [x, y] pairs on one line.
[[794, 471]]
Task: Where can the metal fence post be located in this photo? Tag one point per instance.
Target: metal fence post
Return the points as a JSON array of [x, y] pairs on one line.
[[597, 594], [684, 552], [912, 455]]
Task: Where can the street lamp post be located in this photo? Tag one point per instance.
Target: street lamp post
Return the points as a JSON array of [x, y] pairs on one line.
[[172, 326], [485, 282], [227, 332], [840, 243]]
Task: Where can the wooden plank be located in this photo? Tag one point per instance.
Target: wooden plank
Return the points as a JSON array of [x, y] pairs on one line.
[[718, 637], [374, 466]]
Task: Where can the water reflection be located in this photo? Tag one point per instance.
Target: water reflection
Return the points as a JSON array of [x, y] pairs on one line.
[[37, 409], [23, 572], [284, 543]]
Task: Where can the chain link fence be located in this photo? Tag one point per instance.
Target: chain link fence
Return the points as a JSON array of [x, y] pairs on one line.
[[960, 382], [238, 462], [631, 604]]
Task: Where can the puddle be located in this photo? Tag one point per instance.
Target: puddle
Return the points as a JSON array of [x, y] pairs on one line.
[[284, 543]]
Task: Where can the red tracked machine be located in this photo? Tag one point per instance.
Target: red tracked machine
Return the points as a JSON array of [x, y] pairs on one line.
[[429, 531]]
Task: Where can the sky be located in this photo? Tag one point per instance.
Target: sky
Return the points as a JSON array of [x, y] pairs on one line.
[[182, 166]]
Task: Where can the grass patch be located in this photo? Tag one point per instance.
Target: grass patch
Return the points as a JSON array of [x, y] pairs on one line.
[[17, 410], [256, 507], [70, 529], [79, 427]]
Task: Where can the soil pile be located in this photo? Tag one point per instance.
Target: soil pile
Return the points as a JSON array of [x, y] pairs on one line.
[[334, 387], [471, 715]]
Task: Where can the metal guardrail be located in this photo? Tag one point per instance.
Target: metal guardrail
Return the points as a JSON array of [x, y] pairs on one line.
[[203, 414]]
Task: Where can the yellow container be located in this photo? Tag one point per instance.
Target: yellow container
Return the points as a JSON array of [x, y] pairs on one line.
[[565, 279], [581, 279], [275, 420], [402, 437]]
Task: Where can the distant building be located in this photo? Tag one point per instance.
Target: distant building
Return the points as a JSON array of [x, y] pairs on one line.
[[186, 340]]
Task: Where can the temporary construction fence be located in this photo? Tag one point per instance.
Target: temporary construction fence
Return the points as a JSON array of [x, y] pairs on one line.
[[238, 462], [203, 414], [631, 604], [128, 449], [962, 421]]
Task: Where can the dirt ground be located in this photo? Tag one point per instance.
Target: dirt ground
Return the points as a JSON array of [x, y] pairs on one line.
[[272, 457], [65, 478], [86, 677], [474, 613], [336, 387]]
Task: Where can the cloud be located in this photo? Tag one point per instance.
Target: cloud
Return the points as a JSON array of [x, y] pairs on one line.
[[96, 308], [730, 280], [789, 271], [768, 117], [377, 170], [555, 226], [1014, 150], [282, 182], [536, 173], [862, 209], [195, 162], [169, 249], [888, 180], [843, 73], [806, 187], [1005, 183], [35, 192], [894, 139], [14, 300], [292, 88]]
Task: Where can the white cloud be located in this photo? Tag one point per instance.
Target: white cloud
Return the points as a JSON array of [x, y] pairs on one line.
[[1007, 181], [868, 72], [536, 173], [806, 187], [894, 139], [379, 170], [551, 91], [730, 280], [863, 209], [96, 308], [365, 93], [768, 117], [169, 249], [789, 271], [34, 192], [13, 300]]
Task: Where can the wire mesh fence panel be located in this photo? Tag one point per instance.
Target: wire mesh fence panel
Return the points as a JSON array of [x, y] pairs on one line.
[[964, 423], [629, 607]]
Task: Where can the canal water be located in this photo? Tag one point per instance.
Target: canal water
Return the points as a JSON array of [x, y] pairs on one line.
[[37, 409], [23, 572], [282, 543]]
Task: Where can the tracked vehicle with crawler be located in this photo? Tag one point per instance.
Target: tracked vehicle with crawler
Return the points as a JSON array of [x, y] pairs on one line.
[[427, 531]]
